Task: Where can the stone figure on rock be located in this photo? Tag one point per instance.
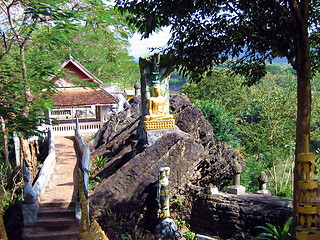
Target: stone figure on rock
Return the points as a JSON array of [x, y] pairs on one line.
[[163, 192], [167, 229]]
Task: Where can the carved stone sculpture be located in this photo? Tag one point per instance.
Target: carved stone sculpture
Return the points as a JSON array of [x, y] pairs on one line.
[[262, 179], [163, 192], [237, 188], [167, 229]]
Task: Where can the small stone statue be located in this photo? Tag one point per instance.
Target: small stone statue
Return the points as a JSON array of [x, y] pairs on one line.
[[156, 106], [163, 192], [237, 188], [238, 169], [137, 89], [167, 229], [262, 179]]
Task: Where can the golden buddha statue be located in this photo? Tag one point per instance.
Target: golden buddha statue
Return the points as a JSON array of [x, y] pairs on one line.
[[156, 107]]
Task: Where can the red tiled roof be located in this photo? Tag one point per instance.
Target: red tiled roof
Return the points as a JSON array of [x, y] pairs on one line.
[[71, 97]]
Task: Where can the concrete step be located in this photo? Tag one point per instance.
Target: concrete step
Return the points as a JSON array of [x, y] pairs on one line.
[[56, 212], [46, 205], [68, 232], [56, 221]]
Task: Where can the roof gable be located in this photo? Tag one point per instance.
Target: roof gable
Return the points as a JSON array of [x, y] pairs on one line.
[[74, 68]]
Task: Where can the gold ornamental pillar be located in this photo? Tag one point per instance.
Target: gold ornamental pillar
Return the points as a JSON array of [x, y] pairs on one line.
[[308, 210]]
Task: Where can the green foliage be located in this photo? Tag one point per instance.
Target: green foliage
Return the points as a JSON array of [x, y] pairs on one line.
[[259, 120], [177, 201], [106, 57], [252, 32], [182, 225], [98, 163], [8, 195], [251, 172], [189, 235], [138, 236], [217, 85], [222, 121], [93, 182], [268, 131], [40, 38], [274, 232]]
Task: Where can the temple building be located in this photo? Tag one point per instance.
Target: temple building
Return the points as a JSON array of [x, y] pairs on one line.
[[79, 95]]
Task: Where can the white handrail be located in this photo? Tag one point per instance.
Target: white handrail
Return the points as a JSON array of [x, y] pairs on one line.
[[85, 158], [68, 129]]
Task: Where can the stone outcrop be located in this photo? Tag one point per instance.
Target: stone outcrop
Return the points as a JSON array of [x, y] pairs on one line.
[[130, 177], [118, 132], [231, 217], [190, 119]]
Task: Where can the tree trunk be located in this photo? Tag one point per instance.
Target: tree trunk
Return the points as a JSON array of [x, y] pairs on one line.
[[5, 148], [27, 156], [303, 67]]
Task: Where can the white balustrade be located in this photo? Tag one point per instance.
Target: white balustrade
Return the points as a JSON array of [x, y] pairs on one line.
[[67, 129]]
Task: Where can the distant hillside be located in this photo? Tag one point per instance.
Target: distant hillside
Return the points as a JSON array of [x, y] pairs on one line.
[[176, 82]]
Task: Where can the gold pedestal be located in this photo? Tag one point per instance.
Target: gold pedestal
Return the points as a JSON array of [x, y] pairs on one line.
[[159, 124]]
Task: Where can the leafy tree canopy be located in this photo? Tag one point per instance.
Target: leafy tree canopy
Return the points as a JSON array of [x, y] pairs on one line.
[[208, 32], [37, 36]]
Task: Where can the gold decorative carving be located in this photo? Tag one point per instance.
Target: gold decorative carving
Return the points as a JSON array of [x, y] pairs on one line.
[[94, 233], [307, 207], [88, 231], [159, 124]]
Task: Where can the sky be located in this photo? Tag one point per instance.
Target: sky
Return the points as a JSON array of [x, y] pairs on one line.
[[141, 47]]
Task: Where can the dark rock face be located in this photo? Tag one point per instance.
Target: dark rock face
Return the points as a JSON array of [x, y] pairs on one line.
[[190, 119], [117, 132], [130, 177], [118, 139], [218, 165], [234, 217], [132, 189]]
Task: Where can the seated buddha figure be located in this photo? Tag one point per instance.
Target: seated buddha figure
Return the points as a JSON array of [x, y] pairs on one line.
[[156, 107]]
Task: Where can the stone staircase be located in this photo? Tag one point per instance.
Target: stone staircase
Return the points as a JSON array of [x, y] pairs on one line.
[[55, 221], [56, 216]]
